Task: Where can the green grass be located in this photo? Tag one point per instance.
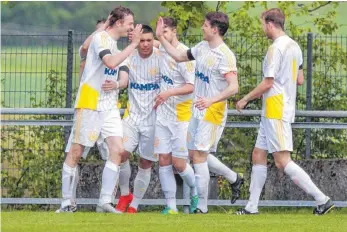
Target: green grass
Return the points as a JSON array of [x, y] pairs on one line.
[[89, 221]]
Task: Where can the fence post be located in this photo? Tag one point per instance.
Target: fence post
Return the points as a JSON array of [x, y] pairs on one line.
[[308, 92], [69, 69]]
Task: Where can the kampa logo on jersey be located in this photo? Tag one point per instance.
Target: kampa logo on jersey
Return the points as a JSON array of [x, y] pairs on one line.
[[110, 72], [167, 80], [202, 77], [145, 87]]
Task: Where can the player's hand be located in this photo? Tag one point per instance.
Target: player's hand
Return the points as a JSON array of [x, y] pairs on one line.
[[160, 28], [240, 105], [130, 35], [203, 103], [109, 85], [160, 99], [136, 34]]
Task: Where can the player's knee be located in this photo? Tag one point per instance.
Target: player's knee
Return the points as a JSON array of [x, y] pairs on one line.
[[145, 164], [164, 160], [279, 164], [258, 157], [180, 166]]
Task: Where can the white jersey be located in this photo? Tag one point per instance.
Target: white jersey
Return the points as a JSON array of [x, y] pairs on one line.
[[211, 66], [282, 62], [175, 75], [90, 95], [143, 87]]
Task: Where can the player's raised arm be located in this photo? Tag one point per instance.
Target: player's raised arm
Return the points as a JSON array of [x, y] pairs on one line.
[[112, 61], [178, 55]]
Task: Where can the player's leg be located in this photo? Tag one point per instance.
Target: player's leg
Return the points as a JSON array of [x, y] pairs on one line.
[[141, 183], [284, 162], [259, 172], [162, 146], [147, 157], [216, 166], [130, 142], [113, 132], [77, 141], [180, 156]]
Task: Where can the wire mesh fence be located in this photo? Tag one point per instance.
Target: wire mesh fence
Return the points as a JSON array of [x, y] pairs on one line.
[[43, 71]]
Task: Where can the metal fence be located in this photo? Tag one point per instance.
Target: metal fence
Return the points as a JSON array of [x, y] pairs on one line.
[[40, 71]]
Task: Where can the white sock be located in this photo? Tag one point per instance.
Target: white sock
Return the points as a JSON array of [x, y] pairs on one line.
[[189, 178], [67, 184], [75, 183], [141, 183], [124, 177], [216, 166], [168, 185], [258, 178], [109, 181], [303, 180], [202, 178]]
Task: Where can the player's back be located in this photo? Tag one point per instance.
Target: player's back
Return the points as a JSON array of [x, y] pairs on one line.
[[285, 56], [144, 86]]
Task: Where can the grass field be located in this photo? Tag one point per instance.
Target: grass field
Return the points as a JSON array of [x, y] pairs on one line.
[[88, 221]]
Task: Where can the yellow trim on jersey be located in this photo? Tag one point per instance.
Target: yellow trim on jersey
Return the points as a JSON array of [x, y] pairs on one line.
[[183, 111], [127, 110], [213, 135], [270, 55], [104, 37], [274, 107], [79, 113], [294, 70], [280, 134], [228, 54], [215, 113], [88, 98]]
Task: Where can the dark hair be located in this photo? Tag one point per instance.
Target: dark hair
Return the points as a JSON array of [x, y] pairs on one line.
[[119, 13], [275, 16], [219, 20], [146, 29], [102, 20], [170, 22]]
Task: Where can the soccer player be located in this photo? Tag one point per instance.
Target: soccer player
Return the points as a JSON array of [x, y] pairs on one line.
[[173, 106], [142, 69], [215, 82], [282, 72], [96, 110]]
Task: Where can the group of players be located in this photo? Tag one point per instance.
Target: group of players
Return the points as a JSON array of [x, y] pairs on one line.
[[177, 110]]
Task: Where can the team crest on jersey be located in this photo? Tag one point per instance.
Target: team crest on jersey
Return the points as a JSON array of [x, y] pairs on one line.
[[210, 62], [167, 79], [202, 77], [153, 71]]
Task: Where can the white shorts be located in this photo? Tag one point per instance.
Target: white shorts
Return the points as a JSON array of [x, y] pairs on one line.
[[89, 125], [171, 137], [203, 136], [274, 135], [141, 137]]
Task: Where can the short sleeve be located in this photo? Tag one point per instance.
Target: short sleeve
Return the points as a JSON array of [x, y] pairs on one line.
[[272, 62], [187, 70], [194, 50], [228, 62], [101, 44]]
